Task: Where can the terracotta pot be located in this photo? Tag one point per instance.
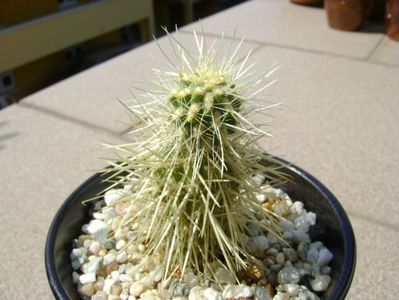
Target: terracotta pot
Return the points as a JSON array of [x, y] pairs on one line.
[[348, 15], [392, 17], [307, 2]]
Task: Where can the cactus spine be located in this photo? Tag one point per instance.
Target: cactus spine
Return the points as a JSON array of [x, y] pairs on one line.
[[191, 169]]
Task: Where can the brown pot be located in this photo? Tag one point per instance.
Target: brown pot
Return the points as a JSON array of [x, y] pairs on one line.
[[392, 17], [307, 2], [349, 15]]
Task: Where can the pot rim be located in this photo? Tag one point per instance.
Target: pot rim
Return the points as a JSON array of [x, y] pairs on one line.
[[51, 272], [349, 242]]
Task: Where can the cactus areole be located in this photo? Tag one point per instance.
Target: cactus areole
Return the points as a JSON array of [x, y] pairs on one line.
[[191, 170]]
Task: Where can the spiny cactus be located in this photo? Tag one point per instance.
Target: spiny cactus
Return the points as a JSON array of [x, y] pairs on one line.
[[191, 171]]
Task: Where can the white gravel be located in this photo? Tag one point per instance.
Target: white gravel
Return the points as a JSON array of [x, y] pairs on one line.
[[117, 269]]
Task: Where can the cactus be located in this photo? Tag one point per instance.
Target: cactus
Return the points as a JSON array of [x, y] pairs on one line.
[[190, 172]]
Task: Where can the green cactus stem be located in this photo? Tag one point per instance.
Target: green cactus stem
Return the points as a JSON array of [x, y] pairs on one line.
[[191, 170]]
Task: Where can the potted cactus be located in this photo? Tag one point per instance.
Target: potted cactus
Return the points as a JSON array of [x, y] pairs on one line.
[[193, 208]]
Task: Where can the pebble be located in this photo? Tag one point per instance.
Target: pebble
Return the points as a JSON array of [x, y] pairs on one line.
[[111, 267], [261, 198], [296, 207], [164, 294], [268, 262], [320, 282], [258, 179], [125, 278], [100, 295], [312, 255], [292, 289], [101, 235], [196, 293], [315, 269], [84, 228], [317, 245], [87, 278], [95, 247], [116, 290], [78, 257], [181, 289], [121, 209], [258, 244], [253, 229], [272, 251], [147, 282], [99, 285], [302, 250], [288, 235], [301, 236], [288, 264], [192, 280], [86, 243], [96, 225], [123, 267], [262, 294], [99, 216], [237, 291], [108, 283], [288, 275], [271, 238], [130, 235], [290, 254], [75, 277], [255, 272], [126, 285], [224, 276], [109, 244], [307, 266], [280, 259], [136, 288], [212, 294], [286, 225], [112, 195], [87, 290], [109, 213], [275, 267], [102, 252], [92, 266], [109, 258], [115, 275], [325, 270], [325, 256], [141, 248], [281, 296], [137, 276], [120, 244], [305, 294], [122, 257], [148, 295]]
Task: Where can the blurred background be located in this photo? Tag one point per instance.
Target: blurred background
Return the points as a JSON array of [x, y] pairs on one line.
[[44, 41]]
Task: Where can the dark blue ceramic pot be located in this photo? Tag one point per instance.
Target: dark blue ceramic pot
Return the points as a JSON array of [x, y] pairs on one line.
[[333, 228]]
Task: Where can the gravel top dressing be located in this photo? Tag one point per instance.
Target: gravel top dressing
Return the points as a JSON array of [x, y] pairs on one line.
[[292, 268]]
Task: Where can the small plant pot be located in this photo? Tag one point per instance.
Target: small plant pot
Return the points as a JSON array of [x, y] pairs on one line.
[[333, 228], [307, 2], [392, 18], [347, 15]]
